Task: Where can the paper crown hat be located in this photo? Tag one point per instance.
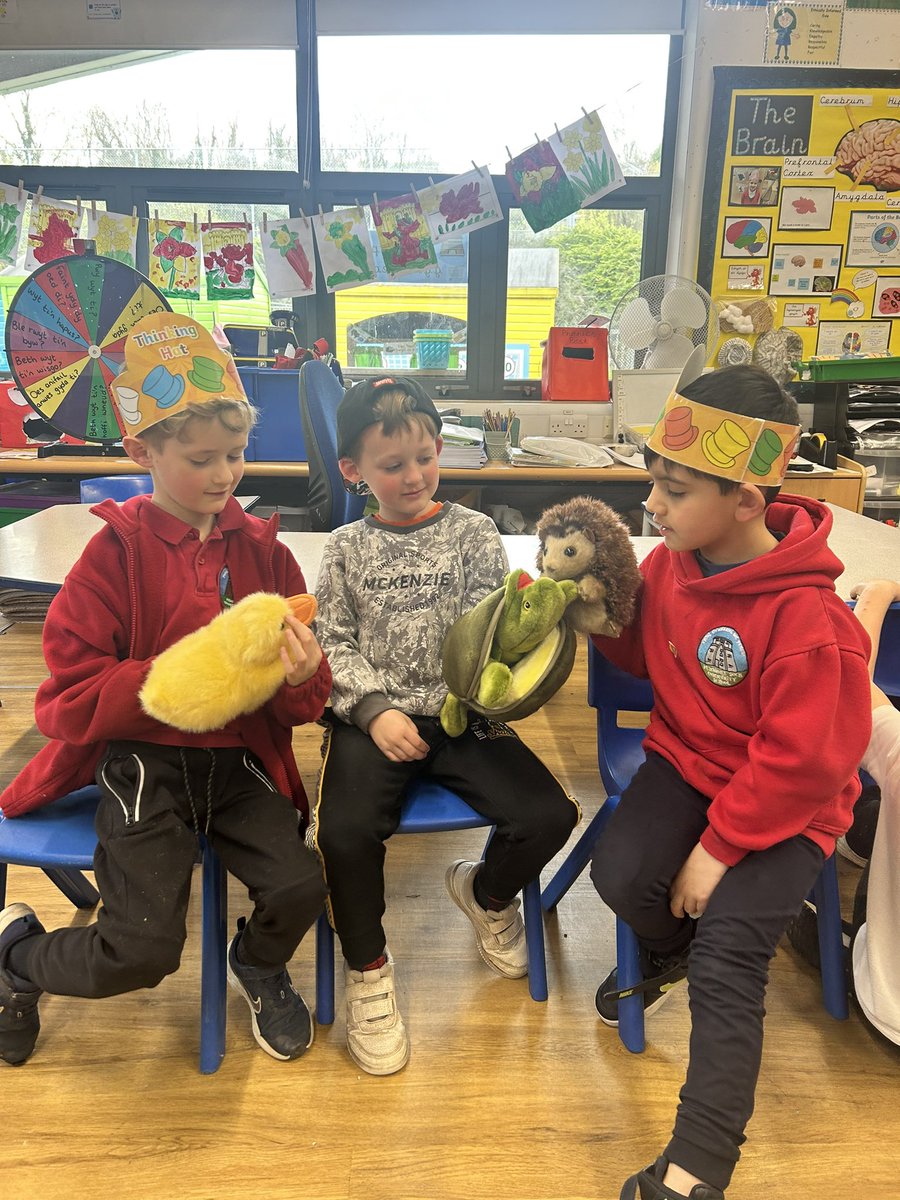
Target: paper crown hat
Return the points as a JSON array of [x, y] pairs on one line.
[[726, 444], [171, 361]]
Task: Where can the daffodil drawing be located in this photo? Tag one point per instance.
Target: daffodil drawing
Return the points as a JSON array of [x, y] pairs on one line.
[[9, 234]]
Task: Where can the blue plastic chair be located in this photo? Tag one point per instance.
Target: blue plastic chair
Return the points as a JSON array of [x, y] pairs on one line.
[[431, 808], [619, 754], [320, 394], [60, 839], [887, 664], [114, 487]]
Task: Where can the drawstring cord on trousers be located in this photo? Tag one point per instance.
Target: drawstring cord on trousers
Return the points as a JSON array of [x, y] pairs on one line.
[[210, 782]]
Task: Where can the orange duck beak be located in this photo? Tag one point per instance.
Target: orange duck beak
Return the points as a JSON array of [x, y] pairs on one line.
[[303, 606]]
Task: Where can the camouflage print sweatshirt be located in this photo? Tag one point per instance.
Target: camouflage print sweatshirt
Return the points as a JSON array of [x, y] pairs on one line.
[[387, 596]]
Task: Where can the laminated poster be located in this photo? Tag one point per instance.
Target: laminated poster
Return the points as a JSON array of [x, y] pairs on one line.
[[460, 205], [587, 158], [403, 235], [11, 214], [289, 257], [114, 235], [541, 187], [345, 251], [174, 260], [802, 33], [53, 226], [227, 260]]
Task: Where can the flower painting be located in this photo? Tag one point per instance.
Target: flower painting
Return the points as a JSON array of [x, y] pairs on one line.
[[174, 262], [289, 257], [403, 235], [53, 226], [587, 158], [227, 260], [11, 211], [541, 187], [344, 248], [460, 204], [114, 235]]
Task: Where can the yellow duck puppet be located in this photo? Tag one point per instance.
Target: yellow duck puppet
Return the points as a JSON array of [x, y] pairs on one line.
[[229, 667]]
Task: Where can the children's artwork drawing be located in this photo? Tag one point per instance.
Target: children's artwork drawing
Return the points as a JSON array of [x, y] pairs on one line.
[[114, 235], [403, 235], [541, 187], [174, 262], [587, 158], [345, 251], [746, 237], [227, 260], [11, 213], [289, 257], [53, 226], [460, 204], [806, 207]]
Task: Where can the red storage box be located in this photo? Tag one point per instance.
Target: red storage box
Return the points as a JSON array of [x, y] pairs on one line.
[[575, 365]]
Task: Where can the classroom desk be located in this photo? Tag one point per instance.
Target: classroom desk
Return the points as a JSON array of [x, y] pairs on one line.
[[37, 552], [844, 486]]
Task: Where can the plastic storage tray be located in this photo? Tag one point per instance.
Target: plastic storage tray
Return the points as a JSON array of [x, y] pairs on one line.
[[851, 370], [278, 434], [883, 467]]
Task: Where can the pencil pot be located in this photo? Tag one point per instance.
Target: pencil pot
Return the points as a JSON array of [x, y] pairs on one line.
[[496, 445], [432, 348]]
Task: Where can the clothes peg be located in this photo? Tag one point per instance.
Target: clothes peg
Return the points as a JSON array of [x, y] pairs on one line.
[[209, 216], [93, 210], [476, 166], [508, 155], [537, 140], [321, 214], [246, 222], [21, 190], [156, 215], [38, 194], [430, 182], [134, 212]]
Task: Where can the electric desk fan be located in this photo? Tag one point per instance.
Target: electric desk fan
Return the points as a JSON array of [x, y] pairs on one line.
[[65, 341]]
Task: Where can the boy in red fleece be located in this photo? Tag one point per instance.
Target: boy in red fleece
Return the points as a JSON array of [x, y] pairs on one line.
[[161, 568], [761, 715]]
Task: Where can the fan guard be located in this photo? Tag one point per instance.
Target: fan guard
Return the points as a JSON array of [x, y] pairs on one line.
[[660, 321]]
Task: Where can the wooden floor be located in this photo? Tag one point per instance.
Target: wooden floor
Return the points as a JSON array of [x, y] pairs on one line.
[[503, 1098]]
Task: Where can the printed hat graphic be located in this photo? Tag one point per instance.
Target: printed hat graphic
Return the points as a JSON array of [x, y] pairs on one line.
[[171, 361]]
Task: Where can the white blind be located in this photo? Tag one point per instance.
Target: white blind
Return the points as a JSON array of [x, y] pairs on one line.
[[499, 16]]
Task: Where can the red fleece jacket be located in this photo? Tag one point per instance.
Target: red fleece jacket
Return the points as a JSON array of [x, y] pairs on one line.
[[101, 635], [760, 682]]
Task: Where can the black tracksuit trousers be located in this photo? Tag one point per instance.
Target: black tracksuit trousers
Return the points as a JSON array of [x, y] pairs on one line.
[[358, 808], [658, 823], [154, 803]]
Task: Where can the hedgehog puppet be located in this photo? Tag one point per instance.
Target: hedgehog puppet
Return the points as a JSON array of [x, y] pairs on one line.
[[584, 540]]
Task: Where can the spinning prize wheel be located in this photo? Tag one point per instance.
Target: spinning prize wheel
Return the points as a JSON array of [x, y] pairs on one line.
[[65, 340]]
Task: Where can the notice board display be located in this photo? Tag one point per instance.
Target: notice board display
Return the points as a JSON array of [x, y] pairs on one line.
[[801, 205]]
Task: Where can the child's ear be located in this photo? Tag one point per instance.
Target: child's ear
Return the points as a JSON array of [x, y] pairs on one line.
[[137, 451], [350, 470], [751, 502]]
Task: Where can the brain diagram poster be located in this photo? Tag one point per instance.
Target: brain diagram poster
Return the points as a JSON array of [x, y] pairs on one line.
[[802, 204]]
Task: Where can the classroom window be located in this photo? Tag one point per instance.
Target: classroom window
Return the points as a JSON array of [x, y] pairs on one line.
[[415, 323], [199, 110], [445, 112], [252, 310], [576, 268]]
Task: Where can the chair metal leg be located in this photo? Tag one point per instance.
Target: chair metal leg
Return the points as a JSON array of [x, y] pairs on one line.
[[213, 953], [2, 885], [74, 886], [578, 857], [324, 971], [534, 940], [832, 956], [628, 973]]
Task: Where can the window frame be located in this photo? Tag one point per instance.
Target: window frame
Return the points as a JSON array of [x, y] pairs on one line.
[[127, 188]]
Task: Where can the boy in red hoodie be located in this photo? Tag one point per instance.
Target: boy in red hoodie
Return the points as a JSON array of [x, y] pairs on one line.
[[163, 566], [761, 715]]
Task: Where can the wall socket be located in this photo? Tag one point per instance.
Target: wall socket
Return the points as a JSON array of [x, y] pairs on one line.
[[569, 426]]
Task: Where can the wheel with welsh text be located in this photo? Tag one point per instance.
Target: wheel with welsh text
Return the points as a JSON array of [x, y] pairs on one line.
[[65, 339]]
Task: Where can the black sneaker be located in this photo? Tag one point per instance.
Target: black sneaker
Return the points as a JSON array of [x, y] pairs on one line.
[[660, 977], [282, 1023], [856, 844], [19, 1020], [648, 1185]]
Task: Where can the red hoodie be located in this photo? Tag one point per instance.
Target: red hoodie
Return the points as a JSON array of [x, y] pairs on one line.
[[102, 632], [760, 682]]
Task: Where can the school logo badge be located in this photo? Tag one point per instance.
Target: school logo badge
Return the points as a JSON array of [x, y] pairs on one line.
[[722, 656]]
